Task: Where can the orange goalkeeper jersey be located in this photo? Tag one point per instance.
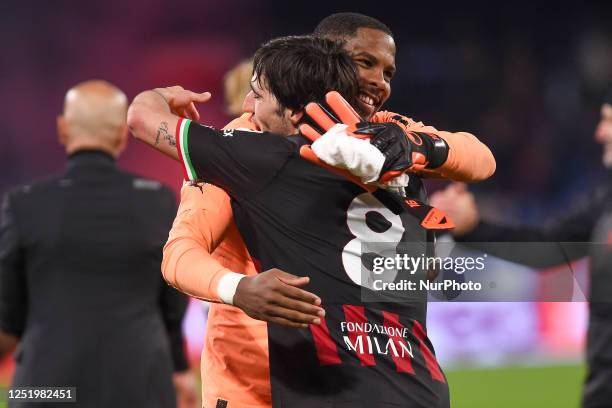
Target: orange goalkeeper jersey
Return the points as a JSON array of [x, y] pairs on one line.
[[204, 244], [468, 158]]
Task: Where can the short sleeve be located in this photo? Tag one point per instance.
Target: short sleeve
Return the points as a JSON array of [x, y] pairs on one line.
[[242, 162]]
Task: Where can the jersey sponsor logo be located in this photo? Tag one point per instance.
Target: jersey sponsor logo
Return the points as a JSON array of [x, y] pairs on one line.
[[354, 340], [369, 341], [399, 334], [359, 336], [228, 132], [372, 344]]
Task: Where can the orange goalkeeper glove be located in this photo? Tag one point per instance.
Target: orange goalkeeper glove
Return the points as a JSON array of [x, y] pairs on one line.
[[404, 150], [428, 150], [389, 138]]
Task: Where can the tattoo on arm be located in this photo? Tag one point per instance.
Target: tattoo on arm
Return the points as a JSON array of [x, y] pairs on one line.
[[171, 140], [162, 131]]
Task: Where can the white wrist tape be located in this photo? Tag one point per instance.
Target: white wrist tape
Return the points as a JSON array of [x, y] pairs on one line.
[[227, 286], [338, 149]]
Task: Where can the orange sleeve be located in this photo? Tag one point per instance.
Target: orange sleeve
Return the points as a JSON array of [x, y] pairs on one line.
[[200, 224], [203, 218], [468, 158]]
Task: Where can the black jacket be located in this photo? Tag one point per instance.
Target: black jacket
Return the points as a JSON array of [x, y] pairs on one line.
[[585, 230], [80, 285]]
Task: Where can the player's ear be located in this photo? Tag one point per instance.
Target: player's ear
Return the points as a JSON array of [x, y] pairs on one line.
[[296, 117], [62, 136]]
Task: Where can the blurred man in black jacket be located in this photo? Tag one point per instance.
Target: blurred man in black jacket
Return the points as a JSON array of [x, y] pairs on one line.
[[590, 223], [81, 293]]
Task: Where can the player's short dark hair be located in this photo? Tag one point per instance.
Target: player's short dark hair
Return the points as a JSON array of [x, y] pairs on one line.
[[302, 69], [345, 25]]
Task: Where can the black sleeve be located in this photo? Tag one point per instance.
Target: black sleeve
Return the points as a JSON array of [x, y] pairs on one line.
[[173, 303], [566, 237], [239, 161], [13, 294]]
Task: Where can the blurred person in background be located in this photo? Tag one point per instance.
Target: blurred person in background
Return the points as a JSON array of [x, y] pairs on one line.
[[588, 222], [198, 257], [236, 86], [81, 298]]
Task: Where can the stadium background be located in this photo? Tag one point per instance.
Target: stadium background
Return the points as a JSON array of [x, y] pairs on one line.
[[526, 79]]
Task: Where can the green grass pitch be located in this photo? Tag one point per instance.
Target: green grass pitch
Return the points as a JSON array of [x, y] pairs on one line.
[[525, 387]]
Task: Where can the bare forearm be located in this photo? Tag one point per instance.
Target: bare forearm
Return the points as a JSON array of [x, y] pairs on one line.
[[151, 121], [153, 115]]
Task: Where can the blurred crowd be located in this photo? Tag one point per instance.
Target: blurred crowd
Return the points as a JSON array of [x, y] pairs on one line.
[[526, 80]]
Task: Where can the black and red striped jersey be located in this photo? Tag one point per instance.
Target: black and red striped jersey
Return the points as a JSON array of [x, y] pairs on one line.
[[370, 350]]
